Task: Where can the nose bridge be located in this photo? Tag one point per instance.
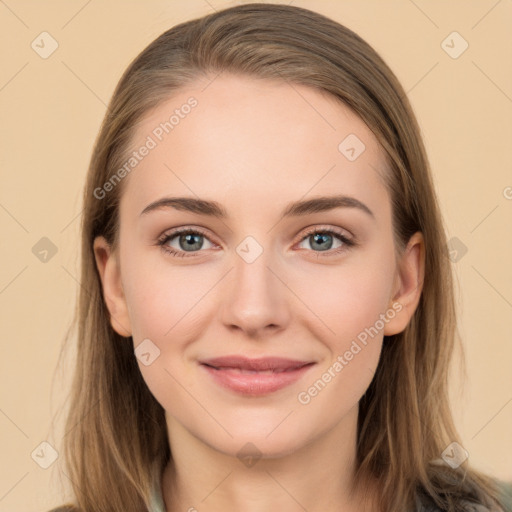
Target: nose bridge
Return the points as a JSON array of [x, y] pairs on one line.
[[256, 298]]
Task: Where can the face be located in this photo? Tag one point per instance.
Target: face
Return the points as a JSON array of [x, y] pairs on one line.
[[264, 270]]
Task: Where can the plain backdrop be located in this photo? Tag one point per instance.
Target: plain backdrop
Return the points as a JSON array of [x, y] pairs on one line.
[[51, 109]]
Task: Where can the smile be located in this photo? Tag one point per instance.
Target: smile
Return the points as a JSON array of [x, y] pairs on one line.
[[255, 377]]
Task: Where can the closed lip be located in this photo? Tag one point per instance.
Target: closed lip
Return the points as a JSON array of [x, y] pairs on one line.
[[255, 376], [275, 364]]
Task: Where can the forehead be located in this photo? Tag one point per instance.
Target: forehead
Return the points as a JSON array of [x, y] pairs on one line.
[[247, 142]]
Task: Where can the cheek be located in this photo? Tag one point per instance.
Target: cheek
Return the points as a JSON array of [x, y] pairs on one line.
[[166, 307], [353, 306], [161, 299], [349, 298]]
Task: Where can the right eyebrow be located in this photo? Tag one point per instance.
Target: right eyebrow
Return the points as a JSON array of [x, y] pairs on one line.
[[188, 204]]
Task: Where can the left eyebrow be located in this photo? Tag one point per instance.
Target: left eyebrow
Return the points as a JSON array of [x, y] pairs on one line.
[[326, 203], [295, 209]]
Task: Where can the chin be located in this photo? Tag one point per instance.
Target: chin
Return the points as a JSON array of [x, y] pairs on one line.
[[253, 448]]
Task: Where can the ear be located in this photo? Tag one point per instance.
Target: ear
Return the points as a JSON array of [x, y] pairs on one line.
[[408, 284], [107, 262]]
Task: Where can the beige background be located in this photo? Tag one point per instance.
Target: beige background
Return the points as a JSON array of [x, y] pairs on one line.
[[51, 111]]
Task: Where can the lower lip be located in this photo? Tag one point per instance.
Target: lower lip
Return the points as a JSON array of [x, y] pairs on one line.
[[258, 383]]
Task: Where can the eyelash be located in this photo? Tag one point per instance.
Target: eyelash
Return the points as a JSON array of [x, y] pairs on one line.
[[162, 241]]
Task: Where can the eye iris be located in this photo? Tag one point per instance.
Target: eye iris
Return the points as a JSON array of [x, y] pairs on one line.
[[189, 241], [321, 237]]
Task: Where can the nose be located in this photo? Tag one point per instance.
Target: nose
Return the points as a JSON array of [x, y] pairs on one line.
[[256, 298]]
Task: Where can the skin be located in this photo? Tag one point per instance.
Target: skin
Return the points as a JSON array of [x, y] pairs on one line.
[[254, 146]]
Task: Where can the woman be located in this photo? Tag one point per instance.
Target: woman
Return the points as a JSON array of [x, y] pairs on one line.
[[222, 364]]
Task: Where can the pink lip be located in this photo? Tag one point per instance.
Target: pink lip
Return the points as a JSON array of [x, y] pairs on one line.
[[255, 376]]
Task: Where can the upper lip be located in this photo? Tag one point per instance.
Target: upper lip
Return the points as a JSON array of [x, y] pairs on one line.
[[257, 364]]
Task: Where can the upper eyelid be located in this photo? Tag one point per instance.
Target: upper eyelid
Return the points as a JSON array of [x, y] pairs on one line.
[[183, 229], [327, 229]]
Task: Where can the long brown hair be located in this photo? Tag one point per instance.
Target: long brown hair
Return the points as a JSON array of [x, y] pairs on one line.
[[116, 442]]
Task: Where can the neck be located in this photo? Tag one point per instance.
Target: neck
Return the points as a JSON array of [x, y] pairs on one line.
[[316, 477]]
